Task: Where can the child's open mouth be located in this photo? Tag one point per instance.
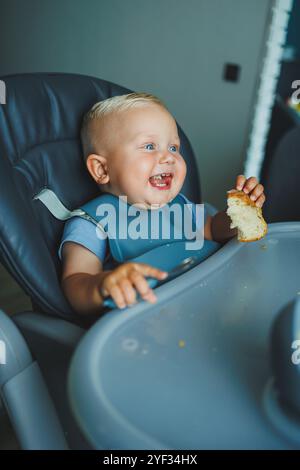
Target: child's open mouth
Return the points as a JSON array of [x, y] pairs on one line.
[[161, 180]]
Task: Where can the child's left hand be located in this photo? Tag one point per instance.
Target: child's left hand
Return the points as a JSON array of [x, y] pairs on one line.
[[251, 187]]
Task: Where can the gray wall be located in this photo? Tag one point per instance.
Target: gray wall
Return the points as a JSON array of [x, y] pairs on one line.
[[173, 48]]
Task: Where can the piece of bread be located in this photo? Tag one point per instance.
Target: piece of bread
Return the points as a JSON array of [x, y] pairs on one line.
[[246, 216]]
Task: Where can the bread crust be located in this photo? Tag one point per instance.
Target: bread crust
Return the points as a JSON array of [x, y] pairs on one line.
[[246, 199]]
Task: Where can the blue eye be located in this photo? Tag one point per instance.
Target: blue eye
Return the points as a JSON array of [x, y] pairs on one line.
[[147, 145], [174, 147]]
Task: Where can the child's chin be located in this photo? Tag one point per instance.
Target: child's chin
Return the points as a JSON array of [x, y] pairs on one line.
[[163, 197]]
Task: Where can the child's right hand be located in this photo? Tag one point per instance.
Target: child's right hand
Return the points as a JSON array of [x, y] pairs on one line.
[[123, 282]]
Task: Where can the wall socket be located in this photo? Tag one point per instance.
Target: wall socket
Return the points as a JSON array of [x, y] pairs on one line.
[[231, 72]]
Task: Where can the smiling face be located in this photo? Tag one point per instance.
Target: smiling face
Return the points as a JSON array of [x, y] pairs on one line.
[[142, 159]]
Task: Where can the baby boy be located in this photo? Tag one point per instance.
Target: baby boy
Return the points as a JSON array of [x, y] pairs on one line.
[[131, 148]]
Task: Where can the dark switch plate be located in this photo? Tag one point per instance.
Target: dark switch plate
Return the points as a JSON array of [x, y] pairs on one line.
[[231, 72]]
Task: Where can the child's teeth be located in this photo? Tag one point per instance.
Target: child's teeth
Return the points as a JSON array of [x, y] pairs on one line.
[[159, 177]]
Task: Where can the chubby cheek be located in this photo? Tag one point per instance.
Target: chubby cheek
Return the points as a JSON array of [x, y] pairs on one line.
[[134, 177], [181, 171], [142, 171]]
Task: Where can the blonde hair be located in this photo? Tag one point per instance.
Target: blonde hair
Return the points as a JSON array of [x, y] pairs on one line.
[[111, 105]]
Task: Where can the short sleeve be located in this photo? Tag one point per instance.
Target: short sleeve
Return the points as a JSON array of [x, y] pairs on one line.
[[85, 233]]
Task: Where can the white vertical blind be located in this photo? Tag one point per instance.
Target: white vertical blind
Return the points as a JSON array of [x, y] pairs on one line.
[[276, 38]]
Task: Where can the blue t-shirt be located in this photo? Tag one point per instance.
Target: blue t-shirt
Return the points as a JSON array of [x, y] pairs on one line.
[[83, 232]]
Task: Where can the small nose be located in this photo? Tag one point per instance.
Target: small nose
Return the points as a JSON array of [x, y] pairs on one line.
[[167, 157]]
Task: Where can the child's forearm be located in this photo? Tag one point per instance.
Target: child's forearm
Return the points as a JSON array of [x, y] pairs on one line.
[[83, 292], [220, 227]]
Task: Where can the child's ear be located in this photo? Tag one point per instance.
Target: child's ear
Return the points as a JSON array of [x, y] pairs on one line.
[[97, 167]]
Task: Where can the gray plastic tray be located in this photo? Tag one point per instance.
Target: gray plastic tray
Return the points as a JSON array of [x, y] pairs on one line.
[[191, 371]]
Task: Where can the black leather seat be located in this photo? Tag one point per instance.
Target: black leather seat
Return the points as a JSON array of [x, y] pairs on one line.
[[282, 180], [40, 146]]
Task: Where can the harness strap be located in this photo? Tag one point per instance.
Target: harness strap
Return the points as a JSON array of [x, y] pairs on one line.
[[58, 210]]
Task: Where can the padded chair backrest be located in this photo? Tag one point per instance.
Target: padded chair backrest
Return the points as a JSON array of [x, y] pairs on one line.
[[40, 146], [283, 119], [281, 184]]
